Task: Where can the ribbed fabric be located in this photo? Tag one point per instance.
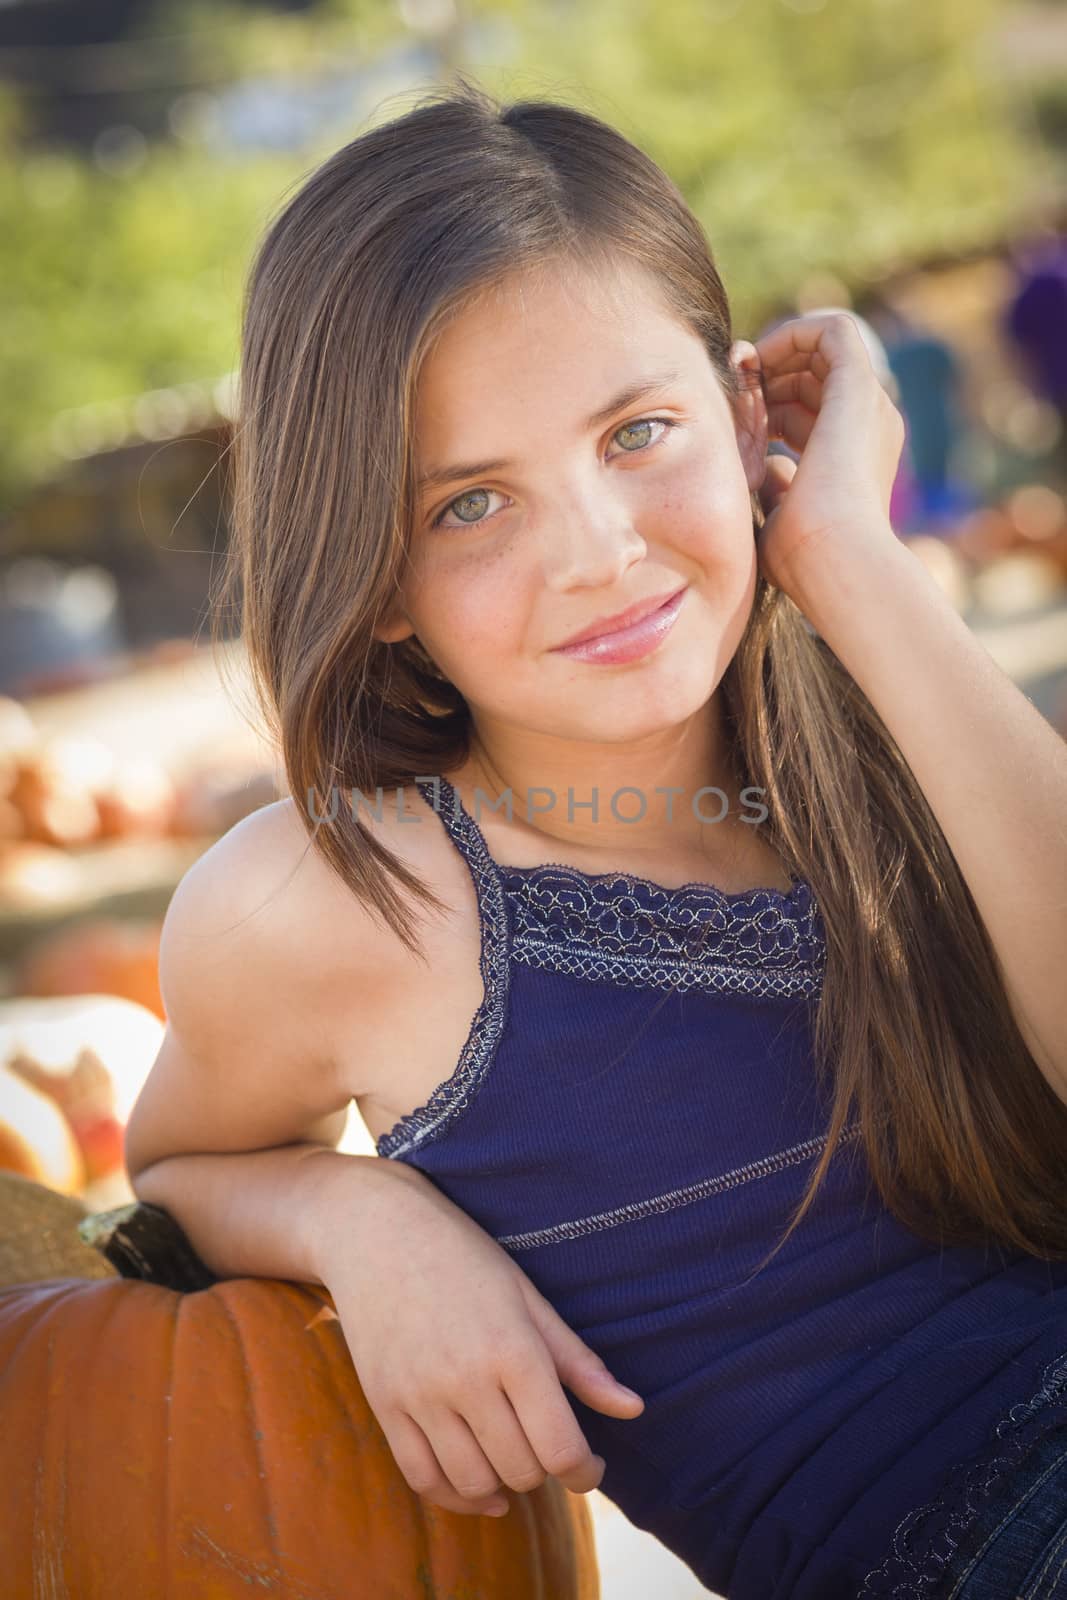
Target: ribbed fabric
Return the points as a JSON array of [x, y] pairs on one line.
[[634, 1116]]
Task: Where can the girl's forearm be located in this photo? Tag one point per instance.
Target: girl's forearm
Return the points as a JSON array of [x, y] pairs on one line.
[[273, 1213]]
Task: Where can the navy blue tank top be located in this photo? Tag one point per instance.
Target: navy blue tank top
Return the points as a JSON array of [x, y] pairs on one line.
[[634, 1116]]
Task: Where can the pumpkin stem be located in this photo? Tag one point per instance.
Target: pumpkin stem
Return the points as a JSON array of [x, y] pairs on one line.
[[144, 1241]]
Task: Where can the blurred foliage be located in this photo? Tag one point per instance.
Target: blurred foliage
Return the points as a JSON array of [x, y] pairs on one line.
[[227, 39], [121, 285], [851, 136], [855, 137]]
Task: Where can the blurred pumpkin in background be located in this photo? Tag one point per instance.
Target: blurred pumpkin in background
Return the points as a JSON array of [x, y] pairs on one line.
[[87, 1056], [137, 799], [50, 787], [98, 955], [36, 1140], [18, 736]]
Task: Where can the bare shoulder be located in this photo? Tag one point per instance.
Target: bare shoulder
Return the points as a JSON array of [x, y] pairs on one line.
[[234, 941], [264, 888], [277, 921], [256, 878], [250, 1056]]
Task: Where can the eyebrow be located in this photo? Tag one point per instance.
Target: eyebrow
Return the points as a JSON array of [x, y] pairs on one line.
[[625, 397]]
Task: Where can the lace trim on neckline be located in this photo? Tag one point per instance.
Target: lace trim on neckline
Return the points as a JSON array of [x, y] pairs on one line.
[[624, 882], [764, 943], [606, 885]]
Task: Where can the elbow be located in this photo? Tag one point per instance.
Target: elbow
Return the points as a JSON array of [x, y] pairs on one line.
[[143, 1145], [144, 1182], [143, 1162], [136, 1161]]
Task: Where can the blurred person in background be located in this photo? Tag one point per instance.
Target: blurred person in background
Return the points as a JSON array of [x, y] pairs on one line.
[[929, 386], [1035, 320]]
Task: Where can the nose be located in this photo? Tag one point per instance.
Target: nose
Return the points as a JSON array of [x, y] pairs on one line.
[[591, 543]]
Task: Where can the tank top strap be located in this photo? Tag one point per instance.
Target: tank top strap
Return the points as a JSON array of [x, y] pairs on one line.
[[460, 826], [488, 879]]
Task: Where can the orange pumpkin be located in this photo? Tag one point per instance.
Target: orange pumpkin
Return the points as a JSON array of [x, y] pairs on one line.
[[51, 791], [217, 1444], [99, 955], [137, 799]]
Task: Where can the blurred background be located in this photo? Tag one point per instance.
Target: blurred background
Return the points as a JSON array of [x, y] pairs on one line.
[[902, 159]]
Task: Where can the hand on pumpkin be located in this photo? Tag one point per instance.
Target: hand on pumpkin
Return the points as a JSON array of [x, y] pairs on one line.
[[459, 1356]]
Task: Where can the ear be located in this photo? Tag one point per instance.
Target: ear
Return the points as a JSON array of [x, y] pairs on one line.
[[394, 626], [750, 412]]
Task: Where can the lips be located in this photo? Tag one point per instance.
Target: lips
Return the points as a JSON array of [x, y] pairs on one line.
[[622, 619]]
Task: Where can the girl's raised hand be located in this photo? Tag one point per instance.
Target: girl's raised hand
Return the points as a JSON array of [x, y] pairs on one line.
[[824, 400], [461, 1359]]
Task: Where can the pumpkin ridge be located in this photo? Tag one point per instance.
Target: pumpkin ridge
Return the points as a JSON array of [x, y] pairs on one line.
[[248, 1366]]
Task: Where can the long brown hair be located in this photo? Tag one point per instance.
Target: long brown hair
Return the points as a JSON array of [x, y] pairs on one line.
[[385, 242]]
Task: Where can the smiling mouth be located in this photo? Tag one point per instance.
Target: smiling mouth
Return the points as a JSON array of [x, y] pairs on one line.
[[631, 642], [625, 621]]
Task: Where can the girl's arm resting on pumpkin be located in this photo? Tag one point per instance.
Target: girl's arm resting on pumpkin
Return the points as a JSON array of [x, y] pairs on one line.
[[268, 1213], [234, 1130], [992, 769]]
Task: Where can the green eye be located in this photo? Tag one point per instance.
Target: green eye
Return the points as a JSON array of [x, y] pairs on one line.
[[471, 494], [631, 427], [667, 423], [468, 494]]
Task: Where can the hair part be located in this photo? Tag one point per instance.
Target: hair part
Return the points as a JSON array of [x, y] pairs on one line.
[[381, 247]]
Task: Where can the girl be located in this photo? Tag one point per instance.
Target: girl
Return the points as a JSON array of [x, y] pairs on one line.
[[738, 925]]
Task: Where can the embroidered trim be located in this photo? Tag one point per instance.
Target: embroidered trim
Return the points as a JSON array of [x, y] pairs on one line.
[[763, 1168], [615, 928], [913, 1569], [577, 961], [452, 1097]]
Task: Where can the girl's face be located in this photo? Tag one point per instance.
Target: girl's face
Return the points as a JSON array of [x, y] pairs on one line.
[[578, 505]]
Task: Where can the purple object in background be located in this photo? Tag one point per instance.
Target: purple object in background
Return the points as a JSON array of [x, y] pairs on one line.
[[1036, 318]]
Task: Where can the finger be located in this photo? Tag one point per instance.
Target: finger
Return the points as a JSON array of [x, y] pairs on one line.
[[576, 1365], [830, 343], [549, 1423], [780, 473], [463, 1461], [791, 423], [504, 1442], [834, 332], [802, 387], [814, 361], [415, 1457]]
